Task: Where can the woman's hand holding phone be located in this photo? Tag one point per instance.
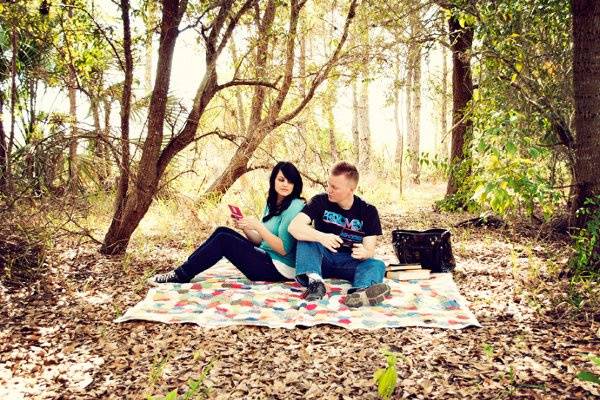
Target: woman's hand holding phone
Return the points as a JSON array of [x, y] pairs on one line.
[[236, 213]]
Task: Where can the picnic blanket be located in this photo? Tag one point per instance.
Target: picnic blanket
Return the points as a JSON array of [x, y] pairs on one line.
[[222, 297]]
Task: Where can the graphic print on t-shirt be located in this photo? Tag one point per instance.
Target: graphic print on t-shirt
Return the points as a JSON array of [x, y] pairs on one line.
[[341, 221]]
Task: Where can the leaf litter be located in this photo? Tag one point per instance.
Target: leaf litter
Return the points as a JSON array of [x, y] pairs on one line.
[[57, 338]]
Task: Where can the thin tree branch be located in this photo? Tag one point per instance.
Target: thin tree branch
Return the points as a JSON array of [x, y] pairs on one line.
[[247, 82]]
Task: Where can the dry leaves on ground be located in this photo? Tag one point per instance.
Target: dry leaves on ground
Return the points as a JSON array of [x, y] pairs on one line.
[[57, 338]]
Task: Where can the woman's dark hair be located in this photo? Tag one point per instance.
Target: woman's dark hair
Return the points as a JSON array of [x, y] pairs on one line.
[[292, 174]]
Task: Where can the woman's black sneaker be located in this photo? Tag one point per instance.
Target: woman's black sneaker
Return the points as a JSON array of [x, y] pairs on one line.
[[169, 277]]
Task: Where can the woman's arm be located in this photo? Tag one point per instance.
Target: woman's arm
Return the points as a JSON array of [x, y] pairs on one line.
[[272, 240], [257, 232], [250, 233]]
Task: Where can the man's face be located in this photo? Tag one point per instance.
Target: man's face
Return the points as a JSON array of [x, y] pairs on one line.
[[339, 188]]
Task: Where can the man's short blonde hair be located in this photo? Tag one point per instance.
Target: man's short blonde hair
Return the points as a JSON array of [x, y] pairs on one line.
[[347, 169]]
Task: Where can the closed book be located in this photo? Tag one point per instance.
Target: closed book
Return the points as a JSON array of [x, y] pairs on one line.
[[408, 275], [402, 267]]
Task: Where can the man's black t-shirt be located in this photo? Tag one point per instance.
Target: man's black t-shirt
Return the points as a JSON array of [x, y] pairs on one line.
[[362, 219]]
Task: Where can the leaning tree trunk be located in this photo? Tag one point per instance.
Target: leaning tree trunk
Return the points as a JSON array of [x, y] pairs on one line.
[[461, 40], [261, 127], [133, 205], [586, 85]]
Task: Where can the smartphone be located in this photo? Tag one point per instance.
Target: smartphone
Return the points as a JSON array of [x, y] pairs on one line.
[[235, 212]]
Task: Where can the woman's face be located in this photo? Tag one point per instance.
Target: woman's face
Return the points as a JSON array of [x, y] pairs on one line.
[[283, 187]]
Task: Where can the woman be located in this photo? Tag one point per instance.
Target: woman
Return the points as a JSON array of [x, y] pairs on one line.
[[274, 258]]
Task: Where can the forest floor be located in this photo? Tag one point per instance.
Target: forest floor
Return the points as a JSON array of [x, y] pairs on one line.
[[58, 341]]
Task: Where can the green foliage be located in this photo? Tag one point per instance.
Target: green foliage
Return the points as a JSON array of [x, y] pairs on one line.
[[588, 376], [586, 241], [462, 199], [511, 173], [387, 378], [522, 62], [195, 390], [488, 350]]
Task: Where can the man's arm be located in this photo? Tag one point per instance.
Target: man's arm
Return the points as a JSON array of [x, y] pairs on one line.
[[301, 229], [366, 249]]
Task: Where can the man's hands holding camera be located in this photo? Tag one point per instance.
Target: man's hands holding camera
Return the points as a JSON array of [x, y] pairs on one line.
[[360, 252], [330, 241], [333, 243]]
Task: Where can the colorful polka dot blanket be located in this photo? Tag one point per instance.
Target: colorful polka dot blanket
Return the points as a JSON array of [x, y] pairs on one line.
[[222, 297]]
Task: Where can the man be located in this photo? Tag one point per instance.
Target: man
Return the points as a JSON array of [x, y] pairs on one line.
[[342, 242]]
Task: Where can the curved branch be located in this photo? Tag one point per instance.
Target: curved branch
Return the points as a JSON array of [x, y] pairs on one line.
[[246, 82]]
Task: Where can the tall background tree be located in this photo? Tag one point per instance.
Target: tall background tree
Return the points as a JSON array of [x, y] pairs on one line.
[[586, 85]]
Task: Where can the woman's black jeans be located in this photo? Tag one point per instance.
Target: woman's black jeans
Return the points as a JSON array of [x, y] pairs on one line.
[[253, 262]]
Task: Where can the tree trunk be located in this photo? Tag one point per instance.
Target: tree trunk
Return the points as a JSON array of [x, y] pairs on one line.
[[586, 85], [123, 185], [408, 89], [99, 143], [107, 164], [73, 173], [132, 205], [302, 119], [2, 147], [32, 86], [13, 103], [399, 136], [329, 100], [362, 109], [414, 116], [73, 182], [443, 145], [258, 127], [461, 40]]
